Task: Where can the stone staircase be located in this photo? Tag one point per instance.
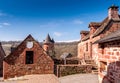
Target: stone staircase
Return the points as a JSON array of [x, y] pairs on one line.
[[94, 66]]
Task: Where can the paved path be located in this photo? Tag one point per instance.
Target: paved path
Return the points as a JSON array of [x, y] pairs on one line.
[[77, 78], [80, 78], [45, 78]]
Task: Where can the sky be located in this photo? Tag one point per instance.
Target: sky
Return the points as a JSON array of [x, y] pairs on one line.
[[62, 19]]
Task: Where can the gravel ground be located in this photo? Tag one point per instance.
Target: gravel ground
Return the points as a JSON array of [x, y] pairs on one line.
[[80, 78]]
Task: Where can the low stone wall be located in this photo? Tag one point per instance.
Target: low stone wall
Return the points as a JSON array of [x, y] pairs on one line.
[[63, 70], [68, 61]]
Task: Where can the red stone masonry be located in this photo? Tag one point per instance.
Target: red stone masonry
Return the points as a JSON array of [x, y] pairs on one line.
[[106, 55], [2, 55], [97, 31], [111, 57], [15, 63]]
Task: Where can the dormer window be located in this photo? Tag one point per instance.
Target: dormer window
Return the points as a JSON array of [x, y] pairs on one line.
[[86, 46]]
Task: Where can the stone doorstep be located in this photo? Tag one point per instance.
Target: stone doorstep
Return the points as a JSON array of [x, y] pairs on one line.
[[21, 78]]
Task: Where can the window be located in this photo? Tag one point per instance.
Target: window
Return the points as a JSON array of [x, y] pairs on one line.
[[86, 46], [29, 57], [91, 49]]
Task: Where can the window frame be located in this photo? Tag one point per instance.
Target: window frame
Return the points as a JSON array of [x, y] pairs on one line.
[[29, 57]]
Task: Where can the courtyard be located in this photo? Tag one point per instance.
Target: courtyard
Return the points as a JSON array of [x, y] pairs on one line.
[[76, 78]]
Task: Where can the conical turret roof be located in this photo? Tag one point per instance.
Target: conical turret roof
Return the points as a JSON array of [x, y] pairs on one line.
[[48, 39], [52, 40]]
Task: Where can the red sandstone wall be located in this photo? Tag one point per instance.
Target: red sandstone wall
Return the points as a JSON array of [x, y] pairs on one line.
[[82, 53], [111, 52], [111, 55], [14, 65], [94, 51], [48, 47], [2, 55], [92, 48]]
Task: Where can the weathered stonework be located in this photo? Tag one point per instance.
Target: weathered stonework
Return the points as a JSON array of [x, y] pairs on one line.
[[104, 54], [86, 48], [110, 55], [2, 55], [48, 46], [15, 63]]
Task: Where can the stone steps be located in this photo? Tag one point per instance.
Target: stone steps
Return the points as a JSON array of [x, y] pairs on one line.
[[94, 71], [95, 67]]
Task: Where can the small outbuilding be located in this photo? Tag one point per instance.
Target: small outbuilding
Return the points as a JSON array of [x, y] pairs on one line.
[[27, 58]]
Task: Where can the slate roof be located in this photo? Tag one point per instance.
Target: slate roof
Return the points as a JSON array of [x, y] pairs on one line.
[[95, 24], [86, 37], [49, 40], [99, 30], [86, 32], [111, 37], [103, 26], [105, 23]]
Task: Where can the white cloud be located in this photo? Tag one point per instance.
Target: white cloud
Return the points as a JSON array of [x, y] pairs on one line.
[[58, 34], [78, 22], [6, 24]]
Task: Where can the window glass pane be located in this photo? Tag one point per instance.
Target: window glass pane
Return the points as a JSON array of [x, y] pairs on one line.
[[29, 57]]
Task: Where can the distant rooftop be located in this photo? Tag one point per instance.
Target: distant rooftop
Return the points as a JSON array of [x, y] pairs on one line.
[[49, 40]]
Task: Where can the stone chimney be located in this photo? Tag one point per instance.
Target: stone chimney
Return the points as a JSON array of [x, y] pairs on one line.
[[93, 27], [83, 34], [113, 12]]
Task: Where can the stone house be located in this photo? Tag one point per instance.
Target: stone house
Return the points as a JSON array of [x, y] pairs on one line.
[[27, 58], [2, 55], [102, 44], [86, 47], [109, 58]]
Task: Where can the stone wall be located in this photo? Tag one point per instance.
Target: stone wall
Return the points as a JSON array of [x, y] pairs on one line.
[[92, 51], [109, 54], [68, 61], [2, 55], [83, 52], [63, 70]]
